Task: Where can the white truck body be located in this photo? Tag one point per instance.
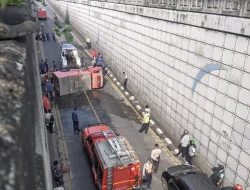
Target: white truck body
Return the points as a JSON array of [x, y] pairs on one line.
[[65, 48]]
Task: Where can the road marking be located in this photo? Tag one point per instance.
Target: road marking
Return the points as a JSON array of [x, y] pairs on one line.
[[176, 161], [93, 109], [61, 135], [172, 157]]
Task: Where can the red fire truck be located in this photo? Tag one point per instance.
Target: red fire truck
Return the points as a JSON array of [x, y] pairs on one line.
[[115, 165], [77, 80]]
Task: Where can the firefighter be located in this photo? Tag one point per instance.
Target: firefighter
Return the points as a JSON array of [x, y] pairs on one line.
[[145, 125], [155, 156], [235, 187], [47, 36], [147, 172], [75, 122], [49, 89]]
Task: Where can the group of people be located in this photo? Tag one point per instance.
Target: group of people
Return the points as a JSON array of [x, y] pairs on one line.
[[187, 148], [97, 59], [151, 165], [45, 35], [48, 81]]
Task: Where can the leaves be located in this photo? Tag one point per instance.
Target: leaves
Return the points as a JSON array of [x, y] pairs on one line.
[[57, 23], [58, 33], [68, 28], [4, 3], [68, 36]]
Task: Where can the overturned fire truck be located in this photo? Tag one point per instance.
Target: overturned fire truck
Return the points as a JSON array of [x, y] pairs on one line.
[[77, 80], [115, 165]]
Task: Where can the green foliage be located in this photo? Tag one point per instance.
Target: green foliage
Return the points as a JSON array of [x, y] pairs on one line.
[[57, 23], [4, 3], [58, 32], [68, 28], [68, 36], [66, 31]]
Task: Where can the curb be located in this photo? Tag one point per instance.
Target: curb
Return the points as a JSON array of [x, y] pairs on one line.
[[131, 98]]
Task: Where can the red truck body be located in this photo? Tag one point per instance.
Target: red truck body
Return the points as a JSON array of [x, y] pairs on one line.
[[77, 80], [41, 14], [115, 165]]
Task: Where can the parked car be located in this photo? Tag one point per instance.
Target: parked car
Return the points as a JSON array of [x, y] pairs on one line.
[[184, 177]]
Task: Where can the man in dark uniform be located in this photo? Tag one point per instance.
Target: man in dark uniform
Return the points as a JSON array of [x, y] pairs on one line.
[[75, 122]]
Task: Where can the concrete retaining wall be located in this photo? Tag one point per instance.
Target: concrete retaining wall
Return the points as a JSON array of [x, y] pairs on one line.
[[193, 69]]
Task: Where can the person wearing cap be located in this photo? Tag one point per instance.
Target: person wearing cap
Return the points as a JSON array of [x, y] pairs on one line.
[[155, 156], [183, 148], [147, 172], [235, 187], [145, 125], [191, 152]]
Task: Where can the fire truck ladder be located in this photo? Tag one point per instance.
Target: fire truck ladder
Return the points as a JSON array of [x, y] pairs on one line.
[[118, 148]]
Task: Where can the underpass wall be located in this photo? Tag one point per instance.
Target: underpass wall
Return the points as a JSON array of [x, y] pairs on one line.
[[193, 69]]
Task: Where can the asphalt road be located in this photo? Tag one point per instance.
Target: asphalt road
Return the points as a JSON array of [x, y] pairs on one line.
[[106, 105]]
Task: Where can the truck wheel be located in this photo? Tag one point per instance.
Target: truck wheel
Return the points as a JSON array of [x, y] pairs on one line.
[[164, 183]]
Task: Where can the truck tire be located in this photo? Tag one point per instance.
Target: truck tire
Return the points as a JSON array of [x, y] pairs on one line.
[[164, 183]]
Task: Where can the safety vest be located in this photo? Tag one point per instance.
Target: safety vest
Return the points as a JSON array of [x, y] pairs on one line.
[[146, 118]]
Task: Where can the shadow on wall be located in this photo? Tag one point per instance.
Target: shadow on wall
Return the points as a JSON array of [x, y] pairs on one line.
[[67, 15]]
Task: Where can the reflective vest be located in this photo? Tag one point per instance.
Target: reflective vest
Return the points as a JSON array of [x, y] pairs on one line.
[[146, 118]]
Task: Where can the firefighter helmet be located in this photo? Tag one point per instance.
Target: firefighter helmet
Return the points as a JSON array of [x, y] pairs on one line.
[[238, 187]]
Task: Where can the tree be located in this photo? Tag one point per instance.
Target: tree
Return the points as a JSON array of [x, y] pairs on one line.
[[66, 31]]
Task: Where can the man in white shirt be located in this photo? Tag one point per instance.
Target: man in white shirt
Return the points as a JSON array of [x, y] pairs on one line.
[[125, 80], [183, 147], [155, 155]]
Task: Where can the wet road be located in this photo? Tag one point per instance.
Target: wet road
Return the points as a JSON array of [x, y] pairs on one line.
[[106, 105]]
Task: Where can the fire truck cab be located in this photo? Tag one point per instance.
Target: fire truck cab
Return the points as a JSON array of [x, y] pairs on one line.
[[115, 165]]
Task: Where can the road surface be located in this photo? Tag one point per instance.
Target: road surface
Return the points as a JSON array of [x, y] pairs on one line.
[[106, 105]]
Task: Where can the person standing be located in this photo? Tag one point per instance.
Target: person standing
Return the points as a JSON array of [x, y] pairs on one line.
[[147, 172], [75, 122], [54, 65], [145, 125], [53, 36], [49, 89], [100, 61], [49, 121], [219, 176], [88, 43], [93, 53], [125, 80], [46, 65], [43, 36], [42, 67], [155, 155], [183, 145], [191, 152], [47, 36]]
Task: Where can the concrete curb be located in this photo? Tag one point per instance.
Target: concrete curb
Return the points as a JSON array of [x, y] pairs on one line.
[[132, 99]]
